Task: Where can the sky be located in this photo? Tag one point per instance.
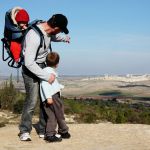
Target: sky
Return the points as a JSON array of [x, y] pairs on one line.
[[107, 36]]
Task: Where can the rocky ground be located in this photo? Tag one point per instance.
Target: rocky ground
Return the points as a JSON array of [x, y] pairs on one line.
[[103, 136]]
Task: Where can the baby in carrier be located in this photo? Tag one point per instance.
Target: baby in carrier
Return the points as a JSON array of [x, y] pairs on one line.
[[16, 22]]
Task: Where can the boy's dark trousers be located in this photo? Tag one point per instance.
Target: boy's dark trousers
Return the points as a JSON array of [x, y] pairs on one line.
[[55, 115]]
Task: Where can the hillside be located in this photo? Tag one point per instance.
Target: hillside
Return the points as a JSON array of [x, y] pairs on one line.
[[102, 136]]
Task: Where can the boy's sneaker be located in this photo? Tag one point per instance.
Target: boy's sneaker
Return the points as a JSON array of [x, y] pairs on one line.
[[25, 136], [54, 138], [65, 135], [41, 136]]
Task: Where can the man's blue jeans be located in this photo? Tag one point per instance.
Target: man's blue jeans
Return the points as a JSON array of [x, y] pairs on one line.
[[31, 83]]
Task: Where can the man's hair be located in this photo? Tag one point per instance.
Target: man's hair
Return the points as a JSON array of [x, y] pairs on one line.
[[52, 59]]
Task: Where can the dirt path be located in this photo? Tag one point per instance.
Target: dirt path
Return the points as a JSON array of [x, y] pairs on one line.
[[103, 136]]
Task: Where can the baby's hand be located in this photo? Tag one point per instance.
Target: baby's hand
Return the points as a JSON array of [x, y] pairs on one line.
[[49, 101]]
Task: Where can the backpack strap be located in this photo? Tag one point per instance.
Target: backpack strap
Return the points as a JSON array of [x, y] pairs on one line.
[[35, 28], [50, 47], [39, 32]]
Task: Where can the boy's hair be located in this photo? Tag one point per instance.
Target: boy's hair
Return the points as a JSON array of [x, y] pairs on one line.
[[52, 59]]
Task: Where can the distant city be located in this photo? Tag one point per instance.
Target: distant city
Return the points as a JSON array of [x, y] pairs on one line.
[[125, 78]]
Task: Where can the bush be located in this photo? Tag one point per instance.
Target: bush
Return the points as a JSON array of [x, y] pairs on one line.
[[7, 96], [18, 106], [10, 98], [120, 117], [92, 112], [88, 116]]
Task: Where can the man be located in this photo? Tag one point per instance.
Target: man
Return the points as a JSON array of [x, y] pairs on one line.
[[34, 61]]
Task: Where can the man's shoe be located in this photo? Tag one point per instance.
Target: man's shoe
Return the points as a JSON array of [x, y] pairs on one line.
[[54, 138], [25, 136], [65, 135]]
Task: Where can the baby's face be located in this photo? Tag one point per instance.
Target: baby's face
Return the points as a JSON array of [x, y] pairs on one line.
[[23, 25]]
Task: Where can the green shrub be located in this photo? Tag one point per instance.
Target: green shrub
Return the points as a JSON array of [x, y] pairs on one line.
[[91, 112], [18, 106], [7, 96], [120, 117], [10, 98], [87, 117]]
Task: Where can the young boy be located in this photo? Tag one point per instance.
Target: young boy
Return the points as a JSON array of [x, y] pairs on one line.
[[53, 105]]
